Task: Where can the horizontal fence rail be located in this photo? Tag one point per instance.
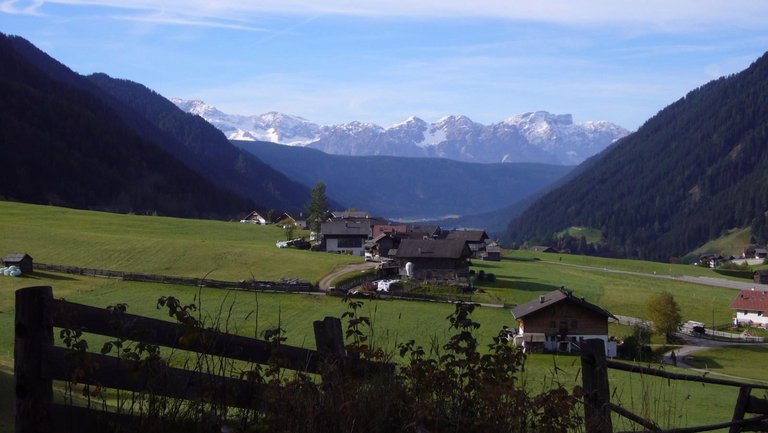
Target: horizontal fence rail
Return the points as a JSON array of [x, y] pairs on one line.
[[287, 285], [598, 407], [38, 362]]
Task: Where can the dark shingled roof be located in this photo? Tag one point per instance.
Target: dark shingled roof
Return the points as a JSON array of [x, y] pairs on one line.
[[468, 235], [15, 257], [433, 248], [553, 298], [345, 228]]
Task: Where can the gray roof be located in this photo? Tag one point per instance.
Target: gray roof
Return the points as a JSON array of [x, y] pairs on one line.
[[468, 235], [553, 298], [433, 249], [15, 257], [345, 228]]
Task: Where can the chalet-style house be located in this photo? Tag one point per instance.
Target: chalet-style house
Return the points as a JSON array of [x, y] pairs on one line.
[[475, 240], [383, 245], [761, 276], [254, 218], [438, 259], [345, 236], [299, 220], [559, 321], [423, 232], [22, 261], [751, 308]]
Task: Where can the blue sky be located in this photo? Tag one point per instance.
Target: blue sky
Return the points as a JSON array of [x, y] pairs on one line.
[[335, 61]]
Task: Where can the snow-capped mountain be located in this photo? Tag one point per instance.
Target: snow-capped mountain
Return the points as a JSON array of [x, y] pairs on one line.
[[530, 137]]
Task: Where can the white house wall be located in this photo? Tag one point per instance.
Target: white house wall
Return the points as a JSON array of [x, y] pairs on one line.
[[753, 317]]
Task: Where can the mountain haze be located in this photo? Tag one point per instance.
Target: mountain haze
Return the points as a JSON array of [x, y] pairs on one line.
[[690, 173], [410, 188], [531, 137]]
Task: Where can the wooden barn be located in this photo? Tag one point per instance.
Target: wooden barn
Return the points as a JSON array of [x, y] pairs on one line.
[[21, 260], [434, 259]]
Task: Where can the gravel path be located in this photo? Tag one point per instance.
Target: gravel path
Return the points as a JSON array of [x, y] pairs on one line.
[[325, 282]]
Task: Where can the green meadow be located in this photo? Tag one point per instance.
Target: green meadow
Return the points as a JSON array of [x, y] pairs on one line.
[[233, 251]]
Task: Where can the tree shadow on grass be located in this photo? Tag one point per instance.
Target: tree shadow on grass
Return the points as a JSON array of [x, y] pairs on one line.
[[703, 361]]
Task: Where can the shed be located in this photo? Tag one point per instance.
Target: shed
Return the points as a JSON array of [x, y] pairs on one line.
[[21, 260]]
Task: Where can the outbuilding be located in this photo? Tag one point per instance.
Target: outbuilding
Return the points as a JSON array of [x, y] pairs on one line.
[[21, 260]]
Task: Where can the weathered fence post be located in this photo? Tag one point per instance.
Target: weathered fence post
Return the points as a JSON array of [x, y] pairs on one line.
[[594, 374], [33, 332], [330, 345], [741, 408]]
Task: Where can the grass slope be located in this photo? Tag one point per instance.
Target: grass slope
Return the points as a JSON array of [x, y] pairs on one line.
[[167, 246]]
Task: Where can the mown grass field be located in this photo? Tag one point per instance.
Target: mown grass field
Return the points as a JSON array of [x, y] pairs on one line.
[[237, 251], [157, 245]]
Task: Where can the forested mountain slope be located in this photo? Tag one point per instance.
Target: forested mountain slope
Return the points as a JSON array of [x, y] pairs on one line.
[[696, 169], [412, 188], [63, 145]]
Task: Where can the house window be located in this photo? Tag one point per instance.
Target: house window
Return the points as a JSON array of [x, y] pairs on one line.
[[552, 324], [573, 324], [563, 324], [350, 243]]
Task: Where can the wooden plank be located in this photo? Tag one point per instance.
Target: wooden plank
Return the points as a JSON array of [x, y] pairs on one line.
[[33, 332], [158, 379], [650, 425], [754, 424], [594, 374], [137, 328], [676, 376]]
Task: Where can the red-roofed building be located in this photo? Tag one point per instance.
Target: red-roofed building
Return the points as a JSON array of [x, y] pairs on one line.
[[751, 307]]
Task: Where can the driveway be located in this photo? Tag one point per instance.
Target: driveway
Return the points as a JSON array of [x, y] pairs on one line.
[[325, 282]]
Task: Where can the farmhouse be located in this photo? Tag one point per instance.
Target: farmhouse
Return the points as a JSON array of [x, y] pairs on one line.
[[254, 218], [345, 236], [559, 321], [751, 307], [475, 240], [761, 276], [438, 259], [299, 221], [21, 260], [382, 245]]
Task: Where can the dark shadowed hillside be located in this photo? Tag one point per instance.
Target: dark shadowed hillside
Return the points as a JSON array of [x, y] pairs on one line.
[[398, 187], [204, 148], [63, 145], [693, 171]]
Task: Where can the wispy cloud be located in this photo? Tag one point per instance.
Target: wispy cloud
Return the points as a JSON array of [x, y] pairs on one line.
[[660, 14], [16, 7]]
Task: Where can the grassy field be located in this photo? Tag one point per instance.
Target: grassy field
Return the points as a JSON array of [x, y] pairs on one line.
[[157, 245], [523, 276], [238, 251]]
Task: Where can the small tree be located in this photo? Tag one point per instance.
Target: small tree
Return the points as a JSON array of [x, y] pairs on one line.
[[665, 314], [317, 209]]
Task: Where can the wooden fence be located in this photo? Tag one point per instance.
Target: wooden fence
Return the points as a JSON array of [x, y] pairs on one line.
[[38, 361], [286, 285], [598, 407]]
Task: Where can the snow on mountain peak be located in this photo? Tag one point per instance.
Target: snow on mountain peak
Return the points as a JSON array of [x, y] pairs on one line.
[[537, 136]]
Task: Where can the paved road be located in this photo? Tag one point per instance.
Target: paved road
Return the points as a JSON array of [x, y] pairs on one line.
[[709, 281], [693, 345]]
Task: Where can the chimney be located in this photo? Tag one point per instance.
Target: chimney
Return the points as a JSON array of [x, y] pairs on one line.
[[541, 299]]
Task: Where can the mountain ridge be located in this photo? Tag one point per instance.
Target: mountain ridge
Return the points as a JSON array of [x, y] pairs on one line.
[[686, 176], [536, 136]]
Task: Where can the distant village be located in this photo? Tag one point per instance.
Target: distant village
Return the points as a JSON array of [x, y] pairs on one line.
[[427, 253]]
